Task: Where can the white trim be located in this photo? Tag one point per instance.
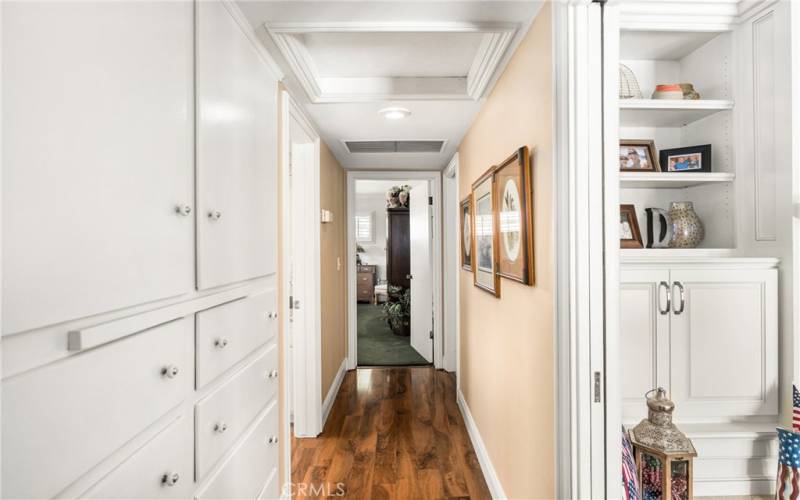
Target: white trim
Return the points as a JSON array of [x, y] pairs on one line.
[[330, 398], [286, 395], [451, 213], [435, 178], [489, 474], [238, 16]]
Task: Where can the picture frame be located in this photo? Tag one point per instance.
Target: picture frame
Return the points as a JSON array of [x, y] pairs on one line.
[[466, 233], [688, 159], [629, 234], [513, 184], [484, 236], [637, 155]]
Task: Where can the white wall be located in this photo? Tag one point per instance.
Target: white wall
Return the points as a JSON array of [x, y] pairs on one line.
[[375, 251]]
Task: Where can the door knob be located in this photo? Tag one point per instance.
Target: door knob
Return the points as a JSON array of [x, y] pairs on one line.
[[272, 315], [170, 371], [215, 215], [220, 427], [170, 478], [409, 277], [272, 374], [183, 210], [221, 342], [272, 440]]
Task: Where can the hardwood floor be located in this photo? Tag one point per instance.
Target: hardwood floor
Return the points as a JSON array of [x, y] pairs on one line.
[[393, 433]]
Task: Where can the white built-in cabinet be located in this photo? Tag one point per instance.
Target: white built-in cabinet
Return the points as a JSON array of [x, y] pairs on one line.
[[139, 287]]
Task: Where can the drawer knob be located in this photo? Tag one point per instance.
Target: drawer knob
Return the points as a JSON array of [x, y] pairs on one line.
[[221, 342], [170, 371], [272, 315], [272, 440], [170, 478], [215, 215], [272, 374], [183, 210], [220, 427]]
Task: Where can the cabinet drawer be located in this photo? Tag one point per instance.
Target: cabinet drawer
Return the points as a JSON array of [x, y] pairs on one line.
[[144, 474], [223, 415], [365, 293], [243, 475], [61, 420], [227, 333], [365, 278]]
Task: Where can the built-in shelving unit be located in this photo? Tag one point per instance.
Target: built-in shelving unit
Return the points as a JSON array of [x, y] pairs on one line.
[[672, 180], [668, 113]]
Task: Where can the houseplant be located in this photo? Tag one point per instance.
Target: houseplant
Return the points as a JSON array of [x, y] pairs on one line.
[[397, 310]]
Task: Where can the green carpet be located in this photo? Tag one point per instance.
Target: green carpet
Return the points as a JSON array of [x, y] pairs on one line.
[[377, 345]]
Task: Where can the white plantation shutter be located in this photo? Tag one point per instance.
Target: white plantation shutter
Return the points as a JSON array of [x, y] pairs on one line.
[[365, 228]]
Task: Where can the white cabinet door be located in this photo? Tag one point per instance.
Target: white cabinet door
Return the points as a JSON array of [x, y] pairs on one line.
[[236, 153], [97, 153], [644, 324], [724, 350]]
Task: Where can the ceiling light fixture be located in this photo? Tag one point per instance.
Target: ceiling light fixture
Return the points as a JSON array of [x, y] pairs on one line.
[[394, 113]]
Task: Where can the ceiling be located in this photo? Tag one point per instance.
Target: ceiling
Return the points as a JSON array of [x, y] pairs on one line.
[[345, 61]]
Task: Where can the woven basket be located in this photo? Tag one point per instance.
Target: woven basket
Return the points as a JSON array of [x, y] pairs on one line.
[[628, 86]]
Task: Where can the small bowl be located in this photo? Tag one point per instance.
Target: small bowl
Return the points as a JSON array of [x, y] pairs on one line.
[[672, 91]]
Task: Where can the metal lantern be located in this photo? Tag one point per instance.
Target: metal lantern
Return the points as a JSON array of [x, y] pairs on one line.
[[628, 86], [663, 453]]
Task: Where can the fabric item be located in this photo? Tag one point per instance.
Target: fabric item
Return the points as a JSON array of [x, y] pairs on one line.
[[795, 409], [788, 465], [630, 479], [378, 345]]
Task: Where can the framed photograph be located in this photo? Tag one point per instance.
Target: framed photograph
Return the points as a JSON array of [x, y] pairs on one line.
[[484, 266], [691, 159], [513, 184], [637, 156], [629, 235], [466, 233]]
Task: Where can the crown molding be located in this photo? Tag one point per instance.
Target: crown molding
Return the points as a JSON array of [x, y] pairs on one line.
[[238, 16], [497, 39], [683, 15]]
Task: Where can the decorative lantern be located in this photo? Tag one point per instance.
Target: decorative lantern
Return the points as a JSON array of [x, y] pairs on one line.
[[663, 453]]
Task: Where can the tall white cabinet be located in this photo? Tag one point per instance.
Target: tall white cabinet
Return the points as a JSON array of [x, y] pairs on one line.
[[139, 287], [712, 325]]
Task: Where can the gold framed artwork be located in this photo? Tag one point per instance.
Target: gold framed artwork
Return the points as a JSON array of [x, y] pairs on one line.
[[513, 194], [466, 233], [484, 236], [638, 156]]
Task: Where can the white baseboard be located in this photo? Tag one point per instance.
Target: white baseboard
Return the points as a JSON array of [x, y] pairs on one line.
[[489, 474], [332, 392]]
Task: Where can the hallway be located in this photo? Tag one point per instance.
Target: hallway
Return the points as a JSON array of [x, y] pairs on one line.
[[392, 433]]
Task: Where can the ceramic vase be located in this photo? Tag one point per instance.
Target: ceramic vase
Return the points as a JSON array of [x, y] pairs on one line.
[[687, 229]]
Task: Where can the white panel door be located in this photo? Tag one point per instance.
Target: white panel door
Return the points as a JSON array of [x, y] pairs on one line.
[[724, 342], [644, 337], [419, 226], [236, 153], [97, 154]]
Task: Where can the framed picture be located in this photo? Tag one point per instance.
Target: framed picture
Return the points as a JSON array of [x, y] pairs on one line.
[[691, 159], [513, 193], [629, 235], [484, 266], [466, 233], [637, 156]]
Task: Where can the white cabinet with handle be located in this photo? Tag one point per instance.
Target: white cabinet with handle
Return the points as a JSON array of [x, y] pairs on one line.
[[705, 330]]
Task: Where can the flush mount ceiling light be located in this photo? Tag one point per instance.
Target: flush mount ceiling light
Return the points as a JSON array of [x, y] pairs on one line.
[[394, 113]]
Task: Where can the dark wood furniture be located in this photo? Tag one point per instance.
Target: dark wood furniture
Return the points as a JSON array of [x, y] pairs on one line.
[[398, 248], [365, 283]]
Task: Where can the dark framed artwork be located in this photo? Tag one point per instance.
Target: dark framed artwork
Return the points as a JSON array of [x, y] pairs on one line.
[[637, 156], [513, 184], [690, 159], [484, 236], [629, 234], [466, 233]]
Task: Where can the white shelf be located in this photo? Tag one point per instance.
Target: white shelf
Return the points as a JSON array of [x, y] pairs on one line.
[[667, 113], [671, 180]]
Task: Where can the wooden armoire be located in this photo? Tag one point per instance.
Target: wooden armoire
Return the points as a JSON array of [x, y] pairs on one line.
[[398, 248]]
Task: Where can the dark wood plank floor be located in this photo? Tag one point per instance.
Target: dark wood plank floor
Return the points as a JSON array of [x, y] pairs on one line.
[[393, 433]]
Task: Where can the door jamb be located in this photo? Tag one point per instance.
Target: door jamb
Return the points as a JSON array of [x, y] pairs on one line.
[[435, 178]]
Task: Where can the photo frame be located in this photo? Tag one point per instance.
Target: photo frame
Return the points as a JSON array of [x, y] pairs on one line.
[[638, 156], [513, 184], [629, 234], [484, 232], [466, 233], [688, 159]]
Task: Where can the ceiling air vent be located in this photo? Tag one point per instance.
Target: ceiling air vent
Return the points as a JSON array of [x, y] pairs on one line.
[[394, 146]]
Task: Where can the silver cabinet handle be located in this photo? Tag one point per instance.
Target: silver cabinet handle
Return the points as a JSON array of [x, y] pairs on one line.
[[409, 276], [170, 371], [215, 215], [272, 374], [665, 310], [272, 440], [683, 297], [220, 427], [170, 478], [221, 342], [184, 210], [272, 315]]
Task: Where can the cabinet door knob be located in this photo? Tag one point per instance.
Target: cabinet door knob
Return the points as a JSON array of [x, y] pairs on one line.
[[170, 478], [409, 277], [221, 342], [272, 315], [272, 374], [272, 440], [220, 427], [215, 215], [170, 371], [183, 210]]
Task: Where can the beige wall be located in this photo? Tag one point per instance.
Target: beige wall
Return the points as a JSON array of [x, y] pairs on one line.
[[333, 245], [507, 357]]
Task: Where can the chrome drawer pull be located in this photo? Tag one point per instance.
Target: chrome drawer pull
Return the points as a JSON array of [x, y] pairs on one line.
[[272, 440], [170, 371], [170, 478], [220, 427], [221, 342], [683, 297], [669, 298]]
